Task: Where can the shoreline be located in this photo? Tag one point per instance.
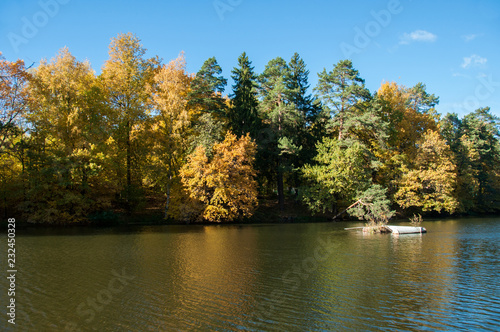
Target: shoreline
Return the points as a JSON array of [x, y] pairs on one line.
[[267, 214]]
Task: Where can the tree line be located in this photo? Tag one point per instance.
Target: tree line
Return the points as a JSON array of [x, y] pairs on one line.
[[76, 146]]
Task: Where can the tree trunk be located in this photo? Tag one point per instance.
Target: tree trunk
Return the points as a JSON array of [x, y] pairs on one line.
[[281, 195], [129, 166], [23, 171], [341, 128], [167, 203], [4, 215], [84, 180]]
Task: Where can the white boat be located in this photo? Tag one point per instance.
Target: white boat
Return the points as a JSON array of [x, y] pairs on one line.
[[406, 229], [391, 229]]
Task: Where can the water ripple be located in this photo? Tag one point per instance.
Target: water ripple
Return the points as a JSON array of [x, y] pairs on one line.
[[268, 278]]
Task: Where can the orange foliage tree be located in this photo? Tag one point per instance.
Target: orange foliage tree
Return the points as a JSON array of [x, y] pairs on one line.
[[225, 184]]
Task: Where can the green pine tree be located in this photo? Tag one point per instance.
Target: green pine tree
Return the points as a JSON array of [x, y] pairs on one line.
[[311, 125], [207, 88], [243, 113], [372, 205], [342, 92], [480, 138], [282, 118]]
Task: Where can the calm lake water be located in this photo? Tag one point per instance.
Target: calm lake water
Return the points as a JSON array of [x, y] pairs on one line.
[[286, 277]]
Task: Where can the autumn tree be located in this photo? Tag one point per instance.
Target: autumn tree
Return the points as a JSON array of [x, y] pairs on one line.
[[13, 100], [13, 106], [429, 181], [167, 137], [125, 77], [409, 112], [225, 183], [66, 134]]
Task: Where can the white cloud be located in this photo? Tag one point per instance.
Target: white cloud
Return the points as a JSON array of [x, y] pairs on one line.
[[473, 60], [460, 75], [419, 36], [470, 37]]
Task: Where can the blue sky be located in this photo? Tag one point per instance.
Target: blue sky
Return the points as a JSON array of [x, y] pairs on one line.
[[452, 47]]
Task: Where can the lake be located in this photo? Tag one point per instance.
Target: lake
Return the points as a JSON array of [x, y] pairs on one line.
[[280, 277]]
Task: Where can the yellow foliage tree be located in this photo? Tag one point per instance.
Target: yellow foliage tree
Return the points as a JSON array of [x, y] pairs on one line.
[[66, 128], [169, 126], [13, 100], [431, 180], [225, 184], [13, 105], [403, 109], [124, 78], [407, 122]]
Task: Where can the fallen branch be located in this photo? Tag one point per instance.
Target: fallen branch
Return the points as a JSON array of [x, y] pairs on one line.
[[352, 205]]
